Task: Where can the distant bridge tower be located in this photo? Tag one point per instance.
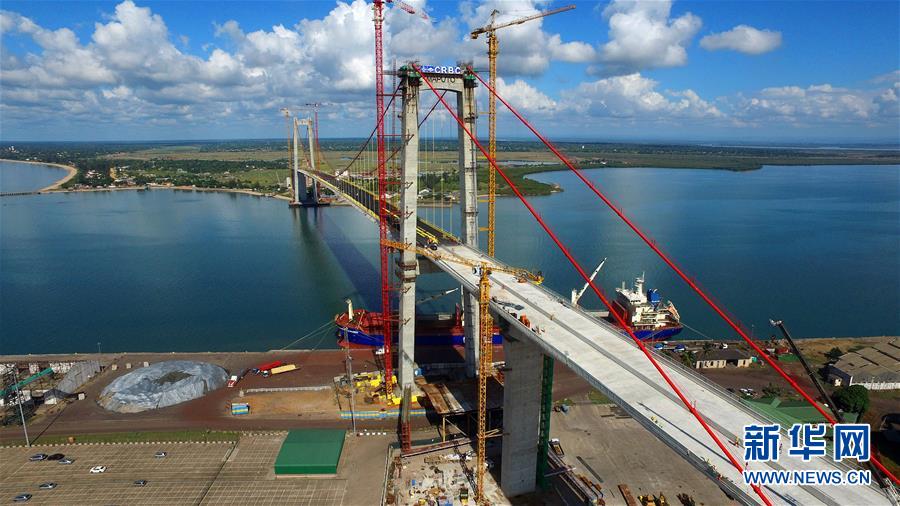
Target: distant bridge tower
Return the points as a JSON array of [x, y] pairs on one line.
[[453, 80], [301, 192]]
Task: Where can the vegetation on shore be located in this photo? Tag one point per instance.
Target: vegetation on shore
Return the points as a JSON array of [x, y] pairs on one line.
[[262, 165]]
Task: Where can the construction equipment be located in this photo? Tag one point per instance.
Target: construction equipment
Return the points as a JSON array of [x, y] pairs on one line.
[[523, 275], [493, 50], [809, 372], [576, 294], [485, 339], [880, 478], [378, 7]]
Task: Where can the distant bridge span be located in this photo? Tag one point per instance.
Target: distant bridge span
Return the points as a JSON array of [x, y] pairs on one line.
[[600, 353]]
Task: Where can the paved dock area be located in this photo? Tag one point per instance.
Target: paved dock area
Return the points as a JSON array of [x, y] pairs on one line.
[[191, 473], [609, 447]]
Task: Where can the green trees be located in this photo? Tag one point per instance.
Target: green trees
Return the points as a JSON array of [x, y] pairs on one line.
[[771, 390], [853, 399], [834, 354]]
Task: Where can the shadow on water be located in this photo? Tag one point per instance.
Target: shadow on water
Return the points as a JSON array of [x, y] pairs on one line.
[[315, 225]]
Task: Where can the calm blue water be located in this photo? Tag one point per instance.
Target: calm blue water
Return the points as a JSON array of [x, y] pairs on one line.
[[162, 270], [20, 177]]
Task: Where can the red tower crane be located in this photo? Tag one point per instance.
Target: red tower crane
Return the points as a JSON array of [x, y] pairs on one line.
[[383, 190]]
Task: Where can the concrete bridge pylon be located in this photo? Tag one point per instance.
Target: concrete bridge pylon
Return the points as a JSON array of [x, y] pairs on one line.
[[463, 86]]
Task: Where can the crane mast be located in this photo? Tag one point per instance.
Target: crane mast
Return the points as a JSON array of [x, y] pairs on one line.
[[486, 348], [383, 213], [576, 294], [485, 340], [493, 51], [382, 202]]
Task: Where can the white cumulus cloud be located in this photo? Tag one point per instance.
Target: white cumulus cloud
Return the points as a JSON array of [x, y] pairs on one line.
[[744, 39], [524, 97], [819, 104], [642, 35], [634, 96]]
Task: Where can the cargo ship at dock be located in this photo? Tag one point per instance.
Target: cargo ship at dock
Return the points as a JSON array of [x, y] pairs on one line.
[[365, 329], [645, 313]]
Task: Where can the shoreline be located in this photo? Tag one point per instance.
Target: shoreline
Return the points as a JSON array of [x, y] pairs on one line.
[[87, 355], [70, 173], [54, 190]]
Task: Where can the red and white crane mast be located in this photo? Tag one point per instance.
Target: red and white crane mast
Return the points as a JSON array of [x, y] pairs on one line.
[[383, 183]]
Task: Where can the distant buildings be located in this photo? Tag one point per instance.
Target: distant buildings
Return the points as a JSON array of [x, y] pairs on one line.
[[718, 358], [875, 367]]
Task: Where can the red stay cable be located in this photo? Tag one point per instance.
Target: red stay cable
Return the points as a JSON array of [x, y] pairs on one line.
[[681, 274], [596, 290]]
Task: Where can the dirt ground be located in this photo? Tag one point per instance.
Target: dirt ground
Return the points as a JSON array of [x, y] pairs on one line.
[[211, 411], [316, 368], [316, 405]]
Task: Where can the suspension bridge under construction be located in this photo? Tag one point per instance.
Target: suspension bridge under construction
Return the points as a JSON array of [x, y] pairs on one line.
[[696, 418]]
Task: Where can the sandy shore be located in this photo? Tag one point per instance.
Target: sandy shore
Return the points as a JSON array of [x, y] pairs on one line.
[[54, 189], [70, 172]]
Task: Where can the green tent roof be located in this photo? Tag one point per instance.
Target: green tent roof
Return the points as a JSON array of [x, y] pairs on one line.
[[789, 412], [311, 451]]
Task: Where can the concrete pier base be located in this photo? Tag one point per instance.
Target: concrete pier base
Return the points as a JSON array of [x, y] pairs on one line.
[[521, 416]]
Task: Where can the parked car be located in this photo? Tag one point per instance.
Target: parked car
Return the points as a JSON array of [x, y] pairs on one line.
[[140, 483], [37, 457], [22, 498], [56, 456], [47, 486], [160, 455], [98, 469], [66, 461]]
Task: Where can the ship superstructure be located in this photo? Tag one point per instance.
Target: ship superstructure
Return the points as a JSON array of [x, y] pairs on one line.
[[645, 312]]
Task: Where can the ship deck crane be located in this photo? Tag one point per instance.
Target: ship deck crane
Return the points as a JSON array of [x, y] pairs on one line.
[[485, 339], [493, 50], [576, 294]]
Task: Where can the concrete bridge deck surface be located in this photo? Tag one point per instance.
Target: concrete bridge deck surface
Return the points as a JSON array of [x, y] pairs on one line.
[[612, 363]]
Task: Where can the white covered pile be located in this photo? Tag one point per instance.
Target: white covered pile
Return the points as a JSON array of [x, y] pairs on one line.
[[162, 384]]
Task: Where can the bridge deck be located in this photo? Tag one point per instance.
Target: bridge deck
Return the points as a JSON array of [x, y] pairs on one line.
[[612, 363]]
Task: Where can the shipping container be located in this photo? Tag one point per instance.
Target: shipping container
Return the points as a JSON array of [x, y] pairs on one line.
[[284, 368]]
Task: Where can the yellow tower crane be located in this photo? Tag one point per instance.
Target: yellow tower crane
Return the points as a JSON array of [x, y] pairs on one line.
[[485, 339], [493, 50]]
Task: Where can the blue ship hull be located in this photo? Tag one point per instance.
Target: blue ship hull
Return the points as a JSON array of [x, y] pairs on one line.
[[658, 334], [360, 338]]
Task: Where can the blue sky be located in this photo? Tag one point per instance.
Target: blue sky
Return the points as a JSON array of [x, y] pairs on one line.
[[634, 70]]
